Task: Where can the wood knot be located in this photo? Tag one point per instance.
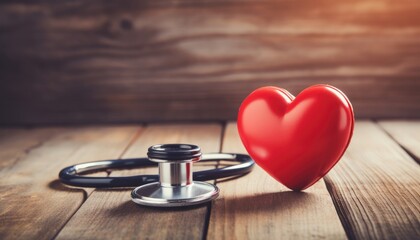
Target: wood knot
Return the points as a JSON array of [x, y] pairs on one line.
[[126, 24]]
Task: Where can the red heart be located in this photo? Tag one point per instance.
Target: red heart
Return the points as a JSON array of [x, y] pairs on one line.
[[296, 140]]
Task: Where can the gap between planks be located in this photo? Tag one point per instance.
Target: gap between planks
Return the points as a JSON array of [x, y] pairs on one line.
[[353, 184], [257, 207], [34, 204], [375, 186], [109, 210], [406, 133]]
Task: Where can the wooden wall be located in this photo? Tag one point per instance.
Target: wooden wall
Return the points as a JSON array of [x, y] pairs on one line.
[[141, 61]]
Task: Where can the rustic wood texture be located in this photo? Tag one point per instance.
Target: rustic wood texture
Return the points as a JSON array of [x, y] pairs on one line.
[[128, 61], [17, 143], [110, 214], [406, 133], [258, 207], [375, 187], [33, 204]]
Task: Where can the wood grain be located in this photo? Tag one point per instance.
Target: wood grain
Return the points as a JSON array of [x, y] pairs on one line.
[[16, 143], [406, 133], [110, 214], [258, 207], [375, 187], [33, 204], [130, 61]]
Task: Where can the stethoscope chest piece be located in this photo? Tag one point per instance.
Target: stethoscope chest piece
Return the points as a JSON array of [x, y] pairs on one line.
[[176, 186]]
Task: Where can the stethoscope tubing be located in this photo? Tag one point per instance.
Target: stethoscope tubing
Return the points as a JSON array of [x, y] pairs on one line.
[[71, 175]]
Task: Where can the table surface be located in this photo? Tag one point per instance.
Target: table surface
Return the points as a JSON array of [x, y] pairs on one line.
[[372, 193]]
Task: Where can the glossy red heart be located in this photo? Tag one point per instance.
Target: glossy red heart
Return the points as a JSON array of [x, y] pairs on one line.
[[296, 140]]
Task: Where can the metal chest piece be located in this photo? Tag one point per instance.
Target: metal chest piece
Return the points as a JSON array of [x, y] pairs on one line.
[[176, 186]]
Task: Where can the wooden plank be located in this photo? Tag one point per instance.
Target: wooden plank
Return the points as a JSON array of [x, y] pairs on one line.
[[406, 133], [258, 207], [33, 204], [110, 214], [375, 187], [197, 60], [16, 143]]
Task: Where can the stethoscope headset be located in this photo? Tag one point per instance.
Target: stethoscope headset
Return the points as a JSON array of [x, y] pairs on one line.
[[176, 184]]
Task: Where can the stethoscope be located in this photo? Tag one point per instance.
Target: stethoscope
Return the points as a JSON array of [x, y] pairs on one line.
[[174, 186]]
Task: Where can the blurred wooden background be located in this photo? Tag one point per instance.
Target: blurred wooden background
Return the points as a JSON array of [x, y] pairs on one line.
[[140, 61]]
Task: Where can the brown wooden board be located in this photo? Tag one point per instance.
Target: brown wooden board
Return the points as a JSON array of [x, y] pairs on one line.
[[33, 204], [256, 206], [375, 187], [17, 143], [110, 214], [406, 133], [130, 61]]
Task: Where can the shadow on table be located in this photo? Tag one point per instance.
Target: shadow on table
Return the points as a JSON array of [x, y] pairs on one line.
[[292, 201], [266, 202], [56, 185], [129, 207]]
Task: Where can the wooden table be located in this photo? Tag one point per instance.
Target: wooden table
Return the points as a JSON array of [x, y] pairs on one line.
[[372, 193]]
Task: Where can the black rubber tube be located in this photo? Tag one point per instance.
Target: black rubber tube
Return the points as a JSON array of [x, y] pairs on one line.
[[71, 175]]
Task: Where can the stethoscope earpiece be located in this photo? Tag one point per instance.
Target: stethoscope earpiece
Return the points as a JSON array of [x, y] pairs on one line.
[[176, 186]]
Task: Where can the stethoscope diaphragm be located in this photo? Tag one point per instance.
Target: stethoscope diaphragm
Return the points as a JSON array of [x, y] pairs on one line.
[[176, 186]]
